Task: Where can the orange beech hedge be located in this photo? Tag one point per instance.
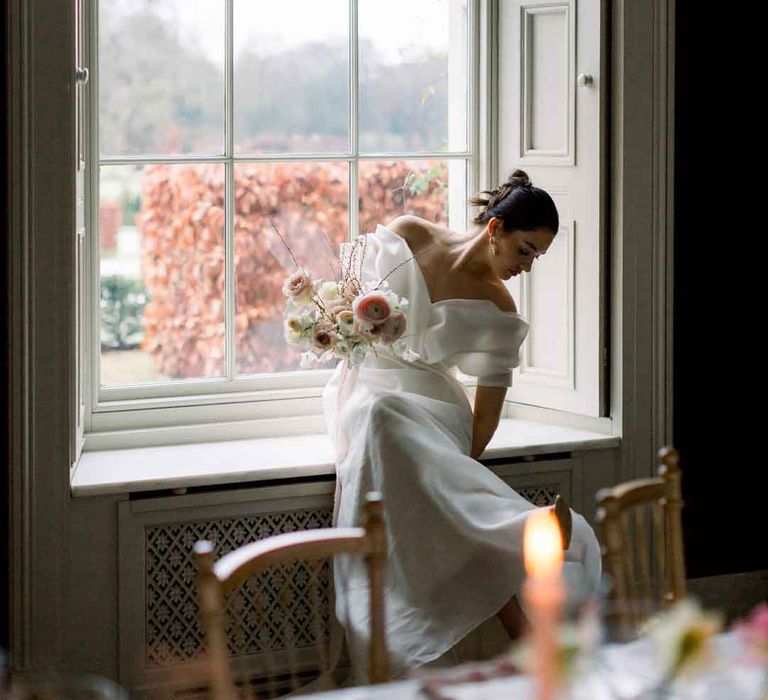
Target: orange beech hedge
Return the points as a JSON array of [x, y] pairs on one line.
[[181, 222]]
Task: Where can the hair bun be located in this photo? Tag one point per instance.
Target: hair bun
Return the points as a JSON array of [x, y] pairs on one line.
[[519, 178], [518, 204]]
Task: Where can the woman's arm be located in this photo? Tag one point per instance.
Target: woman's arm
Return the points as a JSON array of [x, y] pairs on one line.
[[489, 401]]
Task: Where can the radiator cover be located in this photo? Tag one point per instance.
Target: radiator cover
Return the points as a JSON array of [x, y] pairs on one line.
[[161, 639]]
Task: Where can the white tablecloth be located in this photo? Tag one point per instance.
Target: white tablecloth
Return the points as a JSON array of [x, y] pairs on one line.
[[619, 672]]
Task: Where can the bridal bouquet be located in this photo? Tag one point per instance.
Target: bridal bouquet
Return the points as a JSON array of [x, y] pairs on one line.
[[343, 316]]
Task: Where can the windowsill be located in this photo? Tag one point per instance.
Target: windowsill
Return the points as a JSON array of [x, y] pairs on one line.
[[110, 472]]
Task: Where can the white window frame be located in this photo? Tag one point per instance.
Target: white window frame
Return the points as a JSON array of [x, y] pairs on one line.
[[266, 405]]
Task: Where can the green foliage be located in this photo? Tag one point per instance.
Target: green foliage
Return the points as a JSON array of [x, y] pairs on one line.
[[418, 183], [122, 303]]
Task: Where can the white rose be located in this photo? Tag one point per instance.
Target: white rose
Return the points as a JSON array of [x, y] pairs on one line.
[[329, 291]]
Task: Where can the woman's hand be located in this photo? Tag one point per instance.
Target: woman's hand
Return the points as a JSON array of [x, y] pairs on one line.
[[489, 400]]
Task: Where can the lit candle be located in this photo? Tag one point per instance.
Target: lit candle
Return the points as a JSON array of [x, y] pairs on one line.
[[544, 594]]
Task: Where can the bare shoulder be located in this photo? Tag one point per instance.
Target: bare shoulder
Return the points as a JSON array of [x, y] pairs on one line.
[[503, 299], [420, 232], [413, 228]]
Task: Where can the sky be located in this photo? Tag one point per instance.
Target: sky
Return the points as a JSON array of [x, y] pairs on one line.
[[394, 25]]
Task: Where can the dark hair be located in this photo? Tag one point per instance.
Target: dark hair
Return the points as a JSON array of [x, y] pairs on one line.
[[520, 205]]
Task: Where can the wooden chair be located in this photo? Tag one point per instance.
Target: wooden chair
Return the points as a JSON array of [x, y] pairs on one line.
[[217, 580], [641, 528]]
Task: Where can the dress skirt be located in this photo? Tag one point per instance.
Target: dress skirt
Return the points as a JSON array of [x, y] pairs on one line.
[[454, 528]]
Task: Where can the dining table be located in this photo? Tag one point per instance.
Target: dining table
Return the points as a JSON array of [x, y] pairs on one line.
[[614, 671]]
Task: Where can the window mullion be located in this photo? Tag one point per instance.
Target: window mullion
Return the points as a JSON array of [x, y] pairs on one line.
[[354, 214], [281, 157], [229, 197]]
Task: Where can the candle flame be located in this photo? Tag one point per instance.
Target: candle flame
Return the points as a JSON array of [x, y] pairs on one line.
[[542, 544]]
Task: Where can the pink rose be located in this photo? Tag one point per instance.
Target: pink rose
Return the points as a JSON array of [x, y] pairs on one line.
[[298, 285], [371, 308], [393, 328]]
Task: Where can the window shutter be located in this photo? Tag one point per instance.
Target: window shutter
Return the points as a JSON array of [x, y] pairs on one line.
[[550, 125]]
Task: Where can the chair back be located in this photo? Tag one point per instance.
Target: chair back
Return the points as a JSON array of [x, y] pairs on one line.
[[280, 672], [641, 529]]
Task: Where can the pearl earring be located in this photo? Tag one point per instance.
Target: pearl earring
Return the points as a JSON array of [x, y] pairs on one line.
[[493, 247]]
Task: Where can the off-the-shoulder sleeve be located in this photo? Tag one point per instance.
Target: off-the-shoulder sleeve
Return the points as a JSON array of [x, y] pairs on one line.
[[490, 368], [478, 338]]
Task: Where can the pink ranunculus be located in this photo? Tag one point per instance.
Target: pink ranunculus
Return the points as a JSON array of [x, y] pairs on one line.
[[371, 332], [372, 308], [753, 631], [298, 285], [393, 328], [323, 336]]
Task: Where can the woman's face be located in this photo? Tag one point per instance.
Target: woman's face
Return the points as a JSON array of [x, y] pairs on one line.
[[516, 250]]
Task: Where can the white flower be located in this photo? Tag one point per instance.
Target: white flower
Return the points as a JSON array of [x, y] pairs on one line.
[[290, 333], [329, 291], [346, 320], [308, 359], [341, 346], [325, 356], [298, 324], [682, 635]]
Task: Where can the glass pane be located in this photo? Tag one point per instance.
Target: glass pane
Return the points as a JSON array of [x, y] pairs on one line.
[[413, 75], [291, 76], [424, 188], [161, 243], [161, 77], [308, 203]]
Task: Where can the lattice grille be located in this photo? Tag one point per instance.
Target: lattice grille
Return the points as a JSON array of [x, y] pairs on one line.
[[541, 495], [285, 617]]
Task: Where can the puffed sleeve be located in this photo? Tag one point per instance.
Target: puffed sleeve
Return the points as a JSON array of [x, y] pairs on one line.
[[479, 339], [490, 368]]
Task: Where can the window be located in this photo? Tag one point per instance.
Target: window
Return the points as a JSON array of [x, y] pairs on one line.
[[207, 118], [210, 118]]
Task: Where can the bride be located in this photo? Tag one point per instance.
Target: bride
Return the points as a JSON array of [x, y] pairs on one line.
[[454, 528]]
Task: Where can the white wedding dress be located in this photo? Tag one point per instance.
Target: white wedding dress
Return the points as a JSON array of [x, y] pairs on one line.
[[454, 529]]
